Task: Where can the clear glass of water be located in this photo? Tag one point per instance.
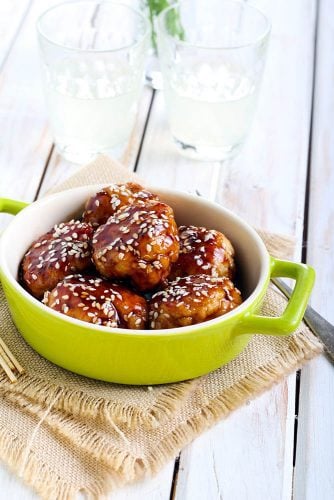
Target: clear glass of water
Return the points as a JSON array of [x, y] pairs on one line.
[[93, 55], [212, 56]]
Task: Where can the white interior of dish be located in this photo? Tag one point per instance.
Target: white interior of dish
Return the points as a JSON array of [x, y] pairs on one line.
[[252, 259]]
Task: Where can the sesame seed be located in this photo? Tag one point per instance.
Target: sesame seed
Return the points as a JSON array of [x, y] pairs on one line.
[[122, 216]]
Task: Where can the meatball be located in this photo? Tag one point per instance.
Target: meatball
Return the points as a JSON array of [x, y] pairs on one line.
[[95, 300], [138, 243], [106, 202], [63, 250], [204, 251], [192, 299]]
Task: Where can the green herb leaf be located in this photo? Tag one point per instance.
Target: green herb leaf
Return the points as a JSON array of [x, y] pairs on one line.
[[173, 19]]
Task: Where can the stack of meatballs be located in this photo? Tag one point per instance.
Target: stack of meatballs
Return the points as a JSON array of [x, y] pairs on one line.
[[126, 264]]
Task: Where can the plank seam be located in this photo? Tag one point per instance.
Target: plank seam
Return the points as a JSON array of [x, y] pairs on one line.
[[41, 181], [306, 220], [144, 131], [175, 477]]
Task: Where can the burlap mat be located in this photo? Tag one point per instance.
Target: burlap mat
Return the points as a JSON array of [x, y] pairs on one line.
[[63, 433]]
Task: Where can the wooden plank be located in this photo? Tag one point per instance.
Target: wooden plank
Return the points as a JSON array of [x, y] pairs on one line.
[[266, 185], [12, 14], [157, 488], [315, 440], [25, 142], [12, 488], [244, 456]]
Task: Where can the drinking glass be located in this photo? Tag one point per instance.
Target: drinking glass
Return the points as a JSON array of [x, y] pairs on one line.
[[93, 55], [212, 57]]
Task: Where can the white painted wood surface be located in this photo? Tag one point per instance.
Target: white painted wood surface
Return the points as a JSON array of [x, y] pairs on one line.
[[248, 456], [315, 445], [12, 14], [25, 142], [244, 456]]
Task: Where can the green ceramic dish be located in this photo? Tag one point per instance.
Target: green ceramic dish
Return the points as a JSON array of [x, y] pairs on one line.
[[148, 357]]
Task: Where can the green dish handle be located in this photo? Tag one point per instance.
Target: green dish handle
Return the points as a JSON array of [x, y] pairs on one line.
[[290, 319], [11, 206]]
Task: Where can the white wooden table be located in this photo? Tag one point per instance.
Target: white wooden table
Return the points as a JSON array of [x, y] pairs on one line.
[[281, 445]]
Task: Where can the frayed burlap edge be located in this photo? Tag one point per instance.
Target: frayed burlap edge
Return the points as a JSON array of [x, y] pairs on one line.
[[79, 404], [40, 477], [130, 468]]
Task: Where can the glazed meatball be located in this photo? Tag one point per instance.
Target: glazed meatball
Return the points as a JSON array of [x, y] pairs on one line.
[[95, 300], [138, 243], [203, 251], [63, 250], [192, 299], [106, 202]]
